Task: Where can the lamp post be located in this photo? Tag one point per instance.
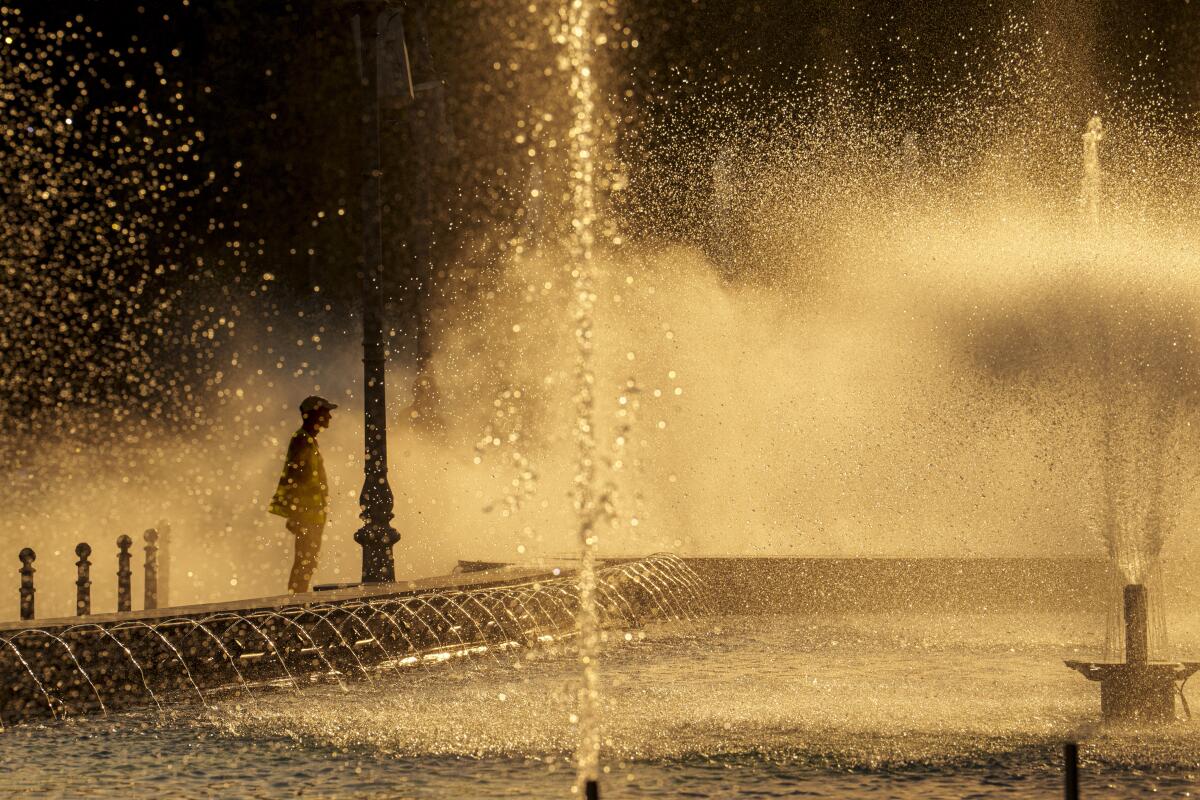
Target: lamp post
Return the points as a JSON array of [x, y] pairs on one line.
[[384, 77]]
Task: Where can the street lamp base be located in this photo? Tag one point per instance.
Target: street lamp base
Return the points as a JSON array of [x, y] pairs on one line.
[[376, 541]]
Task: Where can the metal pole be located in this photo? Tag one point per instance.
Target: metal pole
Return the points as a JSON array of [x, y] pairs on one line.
[[376, 536], [27, 557], [1071, 771], [124, 573], [83, 582], [427, 123], [151, 583]]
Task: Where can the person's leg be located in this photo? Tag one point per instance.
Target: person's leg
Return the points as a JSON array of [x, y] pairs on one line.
[[308, 548], [295, 580]]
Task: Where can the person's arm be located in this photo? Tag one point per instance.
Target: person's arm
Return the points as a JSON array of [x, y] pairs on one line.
[[286, 502], [321, 479], [297, 461]]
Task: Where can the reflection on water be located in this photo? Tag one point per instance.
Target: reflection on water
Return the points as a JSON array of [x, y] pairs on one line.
[[896, 705]]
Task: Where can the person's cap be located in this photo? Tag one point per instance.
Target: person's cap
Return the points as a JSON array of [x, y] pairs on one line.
[[315, 403]]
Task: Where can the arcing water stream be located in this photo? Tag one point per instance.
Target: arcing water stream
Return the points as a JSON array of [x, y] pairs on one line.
[[63, 670]]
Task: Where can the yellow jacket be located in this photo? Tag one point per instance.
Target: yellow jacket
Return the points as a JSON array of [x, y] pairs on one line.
[[303, 492]]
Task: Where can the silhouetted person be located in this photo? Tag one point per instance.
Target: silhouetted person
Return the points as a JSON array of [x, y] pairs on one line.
[[303, 492]]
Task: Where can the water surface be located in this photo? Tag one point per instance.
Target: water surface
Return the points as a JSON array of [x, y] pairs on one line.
[[858, 705]]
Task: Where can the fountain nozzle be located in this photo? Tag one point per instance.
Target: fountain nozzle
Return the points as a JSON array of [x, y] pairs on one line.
[[1136, 691], [1137, 647]]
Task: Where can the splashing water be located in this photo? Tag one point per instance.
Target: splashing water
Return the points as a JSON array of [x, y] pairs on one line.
[[853, 275], [98, 174], [821, 204], [825, 209]]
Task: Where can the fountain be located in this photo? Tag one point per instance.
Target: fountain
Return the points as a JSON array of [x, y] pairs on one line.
[[1136, 380], [1138, 690], [907, 405]]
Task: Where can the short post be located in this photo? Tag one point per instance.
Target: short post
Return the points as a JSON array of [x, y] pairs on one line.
[[124, 573], [151, 569], [27, 557], [592, 790], [83, 583], [1071, 771], [164, 563]]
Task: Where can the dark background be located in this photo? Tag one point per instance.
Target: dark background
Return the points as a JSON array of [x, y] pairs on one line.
[[272, 85]]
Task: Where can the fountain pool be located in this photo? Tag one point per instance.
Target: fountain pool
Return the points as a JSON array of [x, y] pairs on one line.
[[829, 705]]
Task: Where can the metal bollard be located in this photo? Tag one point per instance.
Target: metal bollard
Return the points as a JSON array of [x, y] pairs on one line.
[[124, 573], [151, 569], [1071, 771], [164, 563], [27, 557], [83, 583]]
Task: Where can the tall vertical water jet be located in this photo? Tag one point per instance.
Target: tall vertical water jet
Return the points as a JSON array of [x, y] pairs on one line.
[[1091, 172], [1110, 515], [1103, 332], [577, 39], [1134, 437]]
